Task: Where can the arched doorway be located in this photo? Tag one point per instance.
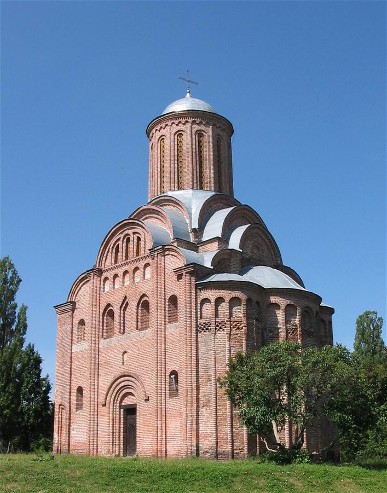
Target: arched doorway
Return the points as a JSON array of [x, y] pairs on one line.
[[125, 399]]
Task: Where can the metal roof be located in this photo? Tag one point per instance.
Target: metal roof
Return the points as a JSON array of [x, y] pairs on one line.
[[235, 238], [267, 277], [160, 235], [179, 224], [193, 201], [188, 103], [215, 224], [263, 276]]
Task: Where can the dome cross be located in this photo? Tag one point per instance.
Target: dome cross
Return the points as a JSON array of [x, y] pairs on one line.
[[189, 82]]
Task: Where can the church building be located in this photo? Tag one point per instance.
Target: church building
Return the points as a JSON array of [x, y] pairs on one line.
[[179, 287]]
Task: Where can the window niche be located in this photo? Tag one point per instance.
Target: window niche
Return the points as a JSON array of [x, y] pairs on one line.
[[81, 331], [125, 278], [147, 271], [116, 254], [172, 310], [124, 311], [180, 160], [108, 326], [138, 246], [127, 248], [201, 160], [162, 163], [116, 281], [173, 384], [79, 399], [143, 317], [105, 285], [136, 275]]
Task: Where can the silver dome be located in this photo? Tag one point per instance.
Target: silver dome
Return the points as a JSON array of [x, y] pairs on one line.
[[188, 103]]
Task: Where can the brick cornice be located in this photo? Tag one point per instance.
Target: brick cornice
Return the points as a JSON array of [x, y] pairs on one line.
[[63, 308], [200, 117]]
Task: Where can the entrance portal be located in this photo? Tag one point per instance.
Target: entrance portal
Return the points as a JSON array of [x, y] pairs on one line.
[[130, 418]]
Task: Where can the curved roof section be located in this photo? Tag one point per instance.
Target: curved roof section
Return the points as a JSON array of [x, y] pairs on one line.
[[179, 224], [236, 236], [214, 226], [193, 201], [188, 103], [267, 277], [160, 236], [263, 276]]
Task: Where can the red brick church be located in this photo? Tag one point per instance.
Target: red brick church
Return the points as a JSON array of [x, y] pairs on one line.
[[180, 286]]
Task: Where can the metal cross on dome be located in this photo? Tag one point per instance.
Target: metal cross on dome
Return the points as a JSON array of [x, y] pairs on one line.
[[189, 82]]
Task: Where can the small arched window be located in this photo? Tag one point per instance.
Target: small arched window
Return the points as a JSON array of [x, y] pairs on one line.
[[220, 308], [147, 272], [124, 316], [173, 384], [272, 322], [138, 246], [180, 160], [79, 399], [116, 254], [136, 275], [127, 248], [109, 323], [116, 281], [125, 278], [307, 324], [81, 331], [143, 315], [105, 285], [172, 309], [205, 308], [235, 308]]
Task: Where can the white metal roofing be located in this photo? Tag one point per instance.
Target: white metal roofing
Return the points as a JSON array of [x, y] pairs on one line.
[[264, 276], [160, 235], [235, 238], [179, 224], [193, 201], [215, 224], [188, 103]]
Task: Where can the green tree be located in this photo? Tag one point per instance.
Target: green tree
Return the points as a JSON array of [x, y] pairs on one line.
[[24, 395], [368, 343], [283, 383], [34, 407]]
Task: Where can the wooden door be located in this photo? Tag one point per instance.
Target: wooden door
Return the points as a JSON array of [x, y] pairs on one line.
[[130, 424]]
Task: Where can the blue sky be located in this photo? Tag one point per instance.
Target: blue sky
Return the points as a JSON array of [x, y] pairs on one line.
[[302, 82]]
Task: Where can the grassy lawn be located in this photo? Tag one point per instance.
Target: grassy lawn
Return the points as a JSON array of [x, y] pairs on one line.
[[67, 474]]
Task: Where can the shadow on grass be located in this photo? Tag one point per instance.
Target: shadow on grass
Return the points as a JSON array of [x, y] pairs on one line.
[[376, 465]]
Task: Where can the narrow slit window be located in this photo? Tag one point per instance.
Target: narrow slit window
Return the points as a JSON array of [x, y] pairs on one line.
[[127, 248], [81, 331], [201, 163], [219, 162], [109, 324], [138, 246], [162, 164], [116, 253], [143, 316], [173, 384], [79, 399], [180, 161], [172, 310]]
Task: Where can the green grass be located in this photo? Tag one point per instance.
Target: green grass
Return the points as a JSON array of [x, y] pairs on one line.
[[68, 474]]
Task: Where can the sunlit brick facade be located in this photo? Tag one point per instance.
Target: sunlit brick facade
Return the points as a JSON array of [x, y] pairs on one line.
[[180, 286]]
